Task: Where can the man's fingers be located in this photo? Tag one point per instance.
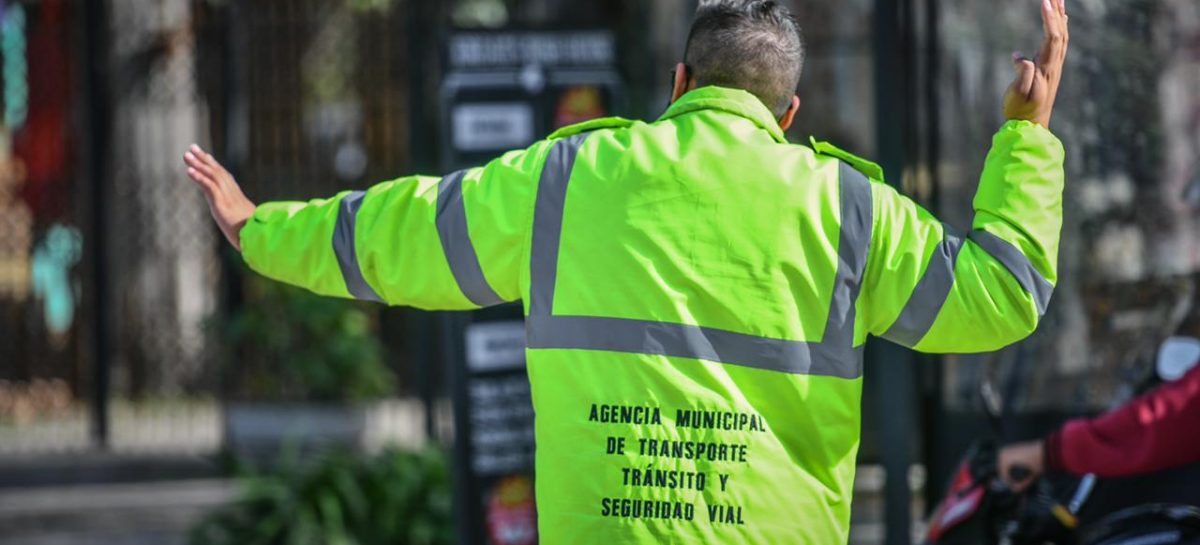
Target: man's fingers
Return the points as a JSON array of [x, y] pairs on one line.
[[1054, 41], [1063, 25], [201, 178], [1026, 72], [207, 158], [195, 158], [198, 151], [200, 173], [194, 162], [205, 182], [1049, 17]]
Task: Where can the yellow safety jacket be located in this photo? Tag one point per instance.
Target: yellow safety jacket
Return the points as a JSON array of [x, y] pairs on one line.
[[697, 291]]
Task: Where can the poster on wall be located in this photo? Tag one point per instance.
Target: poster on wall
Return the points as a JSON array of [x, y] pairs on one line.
[[494, 445], [503, 90]]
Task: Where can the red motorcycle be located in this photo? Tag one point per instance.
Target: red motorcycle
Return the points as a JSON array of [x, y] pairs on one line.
[[980, 508]]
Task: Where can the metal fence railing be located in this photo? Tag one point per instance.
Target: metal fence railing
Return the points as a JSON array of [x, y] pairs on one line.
[[301, 97]]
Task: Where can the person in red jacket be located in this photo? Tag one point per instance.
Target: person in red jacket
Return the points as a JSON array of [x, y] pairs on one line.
[[1155, 431]]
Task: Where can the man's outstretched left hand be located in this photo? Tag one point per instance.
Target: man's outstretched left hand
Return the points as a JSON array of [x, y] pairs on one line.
[[229, 206]]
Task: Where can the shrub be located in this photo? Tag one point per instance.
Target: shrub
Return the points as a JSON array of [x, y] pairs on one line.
[[393, 498], [287, 344]]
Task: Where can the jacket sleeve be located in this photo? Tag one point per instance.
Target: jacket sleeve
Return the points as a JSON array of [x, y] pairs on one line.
[[1155, 431], [447, 243], [934, 290]]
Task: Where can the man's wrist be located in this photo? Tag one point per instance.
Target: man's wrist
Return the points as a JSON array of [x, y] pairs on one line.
[[238, 229], [1028, 135]]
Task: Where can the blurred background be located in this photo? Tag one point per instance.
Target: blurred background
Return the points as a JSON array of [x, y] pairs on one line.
[[147, 379]]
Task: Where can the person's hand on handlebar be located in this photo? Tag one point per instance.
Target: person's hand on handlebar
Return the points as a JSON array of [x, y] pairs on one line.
[[1020, 464]]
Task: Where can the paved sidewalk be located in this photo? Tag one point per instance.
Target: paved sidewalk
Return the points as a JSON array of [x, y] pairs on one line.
[[161, 512], [191, 427], [158, 513]]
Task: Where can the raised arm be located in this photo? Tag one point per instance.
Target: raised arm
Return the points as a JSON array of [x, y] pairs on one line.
[[437, 243], [934, 290]]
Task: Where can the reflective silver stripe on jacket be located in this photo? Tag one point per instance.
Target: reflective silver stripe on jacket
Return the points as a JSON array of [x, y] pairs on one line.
[[694, 342], [343, 248], [457, 245], [1027, 276], [835, 355], [547, 223], [927, 299], [854, 240], [929, 295]]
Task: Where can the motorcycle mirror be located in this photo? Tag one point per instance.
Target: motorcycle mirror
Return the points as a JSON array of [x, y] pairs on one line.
[[993, 405], [1191, 193], [1176, 357]]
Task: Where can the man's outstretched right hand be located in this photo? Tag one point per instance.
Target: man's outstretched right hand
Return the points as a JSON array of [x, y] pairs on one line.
[[1031, 96], [229, 206]]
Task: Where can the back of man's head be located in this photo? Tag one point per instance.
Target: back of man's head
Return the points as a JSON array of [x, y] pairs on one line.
[[753, 45]]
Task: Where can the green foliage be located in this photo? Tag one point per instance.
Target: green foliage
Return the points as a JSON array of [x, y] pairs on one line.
[[393, 498], [287, 344]]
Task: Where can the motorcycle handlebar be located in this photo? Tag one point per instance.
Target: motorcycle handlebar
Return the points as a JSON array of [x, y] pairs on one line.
[[1019, 473]]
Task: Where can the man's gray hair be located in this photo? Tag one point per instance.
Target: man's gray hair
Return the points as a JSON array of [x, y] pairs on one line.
[[753, 45]]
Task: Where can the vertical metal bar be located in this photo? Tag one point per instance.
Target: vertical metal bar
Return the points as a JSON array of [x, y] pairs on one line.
[[235, 141], [420, 160], [467, 506], [894, 365], [932, 409], [236, 50], [933, 128], [425, 21], [96, 29], [420, 327], [423, 49]]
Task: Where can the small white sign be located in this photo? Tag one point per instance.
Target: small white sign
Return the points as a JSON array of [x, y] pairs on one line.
[[495, 346], [492, 126]]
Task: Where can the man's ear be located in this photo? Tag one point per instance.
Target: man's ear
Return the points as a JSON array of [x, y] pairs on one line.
[[683, 83], [790, 115]]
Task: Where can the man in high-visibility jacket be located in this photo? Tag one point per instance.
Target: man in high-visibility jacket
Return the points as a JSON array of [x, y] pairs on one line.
[[697, 289]]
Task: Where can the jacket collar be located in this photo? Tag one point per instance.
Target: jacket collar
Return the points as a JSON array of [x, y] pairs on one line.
[[734, 101]]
